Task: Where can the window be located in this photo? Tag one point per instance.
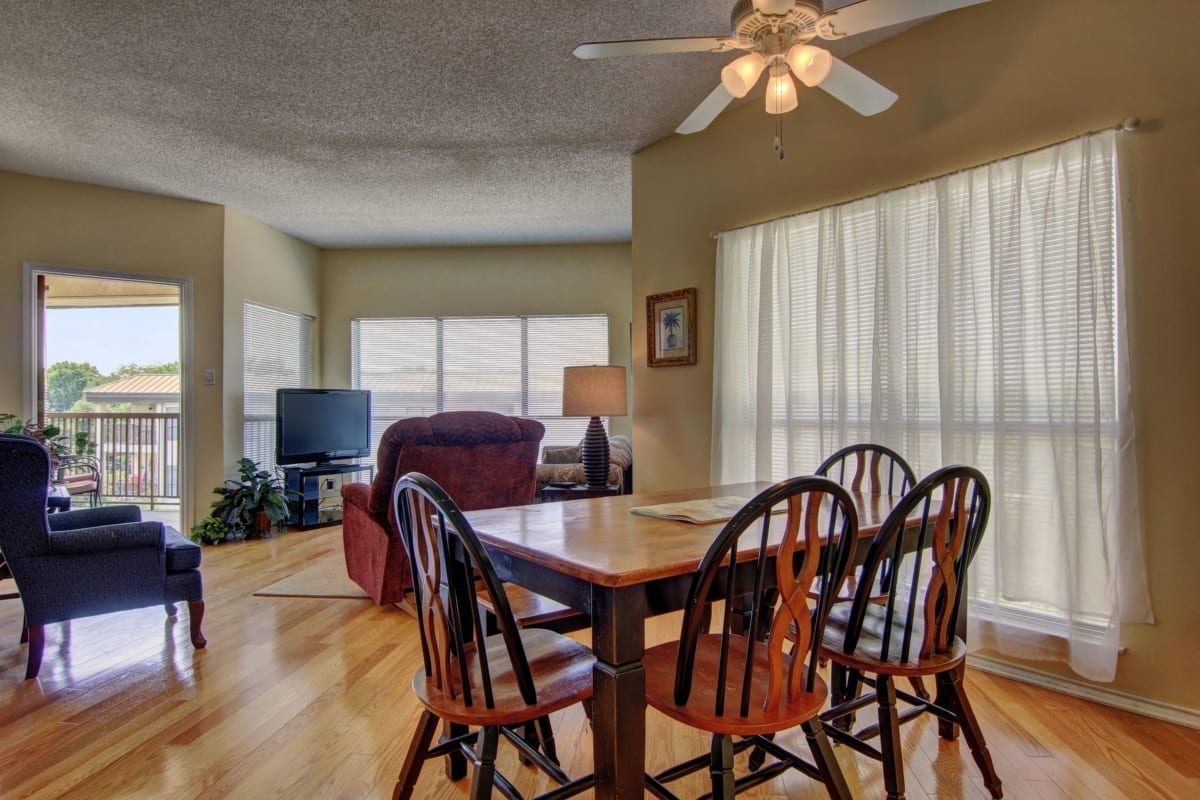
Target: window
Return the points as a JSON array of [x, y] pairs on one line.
[[975, 318], [511, 365], [276, 354]]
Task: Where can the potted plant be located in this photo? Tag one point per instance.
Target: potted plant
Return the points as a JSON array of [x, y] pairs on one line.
[[253, 504], [211, 530]]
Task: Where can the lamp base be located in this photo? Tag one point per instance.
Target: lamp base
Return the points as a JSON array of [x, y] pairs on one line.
[[594, 455]]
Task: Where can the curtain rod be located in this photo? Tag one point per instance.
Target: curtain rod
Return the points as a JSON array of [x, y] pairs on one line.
[[1127, 125]]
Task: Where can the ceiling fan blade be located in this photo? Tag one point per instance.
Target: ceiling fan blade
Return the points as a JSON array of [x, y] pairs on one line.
[[649, 47], [871, 14], [865, 95], [707, 111]]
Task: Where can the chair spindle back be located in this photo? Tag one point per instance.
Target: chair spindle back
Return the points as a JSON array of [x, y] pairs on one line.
[[870, 468], [936, 529], [818, 531], [446, 555]]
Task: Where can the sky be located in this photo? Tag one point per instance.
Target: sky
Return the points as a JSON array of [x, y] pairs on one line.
[[110, 337]]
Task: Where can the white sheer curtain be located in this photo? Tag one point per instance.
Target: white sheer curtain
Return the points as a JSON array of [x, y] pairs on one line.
[[976, 318]]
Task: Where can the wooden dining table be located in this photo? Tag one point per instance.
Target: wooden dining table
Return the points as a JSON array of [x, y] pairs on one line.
[[621, 568]]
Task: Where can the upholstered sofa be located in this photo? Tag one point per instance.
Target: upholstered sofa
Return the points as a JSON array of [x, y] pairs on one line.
[[562, 465], [482, 460]]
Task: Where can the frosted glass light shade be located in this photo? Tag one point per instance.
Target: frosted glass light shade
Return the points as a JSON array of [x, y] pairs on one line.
[[811, 64], [781, 93], [739, 76], [595, 391]]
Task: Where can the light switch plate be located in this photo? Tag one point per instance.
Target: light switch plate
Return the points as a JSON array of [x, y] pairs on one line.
[[210, 377]]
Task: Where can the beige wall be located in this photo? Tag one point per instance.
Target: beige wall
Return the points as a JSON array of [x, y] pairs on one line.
[[976, 85], [576, 279], [271, 268], [77, 225]]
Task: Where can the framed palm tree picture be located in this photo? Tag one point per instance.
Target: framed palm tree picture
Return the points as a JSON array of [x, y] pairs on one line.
[[671, 328]]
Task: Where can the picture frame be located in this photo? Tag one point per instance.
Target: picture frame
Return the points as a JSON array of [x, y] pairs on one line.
[[671, 328]]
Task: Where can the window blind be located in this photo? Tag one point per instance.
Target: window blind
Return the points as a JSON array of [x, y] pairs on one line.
[[974, 318], [510, 365], [277, 348]]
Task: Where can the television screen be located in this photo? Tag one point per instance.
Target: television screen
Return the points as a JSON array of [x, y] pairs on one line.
[[316, 425]]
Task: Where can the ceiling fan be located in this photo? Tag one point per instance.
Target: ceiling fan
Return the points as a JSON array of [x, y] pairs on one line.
[[776, 36]]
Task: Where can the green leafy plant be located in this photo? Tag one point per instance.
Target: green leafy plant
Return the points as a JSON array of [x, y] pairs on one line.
[[256, 492], [50, 435], [209, 530], [83, 446]]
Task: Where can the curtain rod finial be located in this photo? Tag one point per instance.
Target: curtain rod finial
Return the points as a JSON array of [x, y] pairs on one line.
[[1130, 124]]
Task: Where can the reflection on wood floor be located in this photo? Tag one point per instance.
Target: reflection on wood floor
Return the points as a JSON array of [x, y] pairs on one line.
[[309, 698]]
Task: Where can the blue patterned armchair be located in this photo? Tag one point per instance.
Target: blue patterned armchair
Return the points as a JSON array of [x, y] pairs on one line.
[[86, 562]]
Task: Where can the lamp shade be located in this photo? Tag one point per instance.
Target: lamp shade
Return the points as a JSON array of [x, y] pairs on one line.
[[595, 391], [811, 64], [781, 92], [739, 76]]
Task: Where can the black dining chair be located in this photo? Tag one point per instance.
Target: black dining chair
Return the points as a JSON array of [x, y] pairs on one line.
[[755, 683], [928, 541], [493, 685], [871, 469]]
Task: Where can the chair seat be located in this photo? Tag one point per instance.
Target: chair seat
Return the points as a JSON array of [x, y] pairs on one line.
[[870, 642], [660, 662], [561, 669], [182, 554]]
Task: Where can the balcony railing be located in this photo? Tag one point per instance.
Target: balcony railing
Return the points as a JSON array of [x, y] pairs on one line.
[[138, 453]]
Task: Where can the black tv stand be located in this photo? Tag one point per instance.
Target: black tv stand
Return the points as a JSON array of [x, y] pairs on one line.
[[315, 492]]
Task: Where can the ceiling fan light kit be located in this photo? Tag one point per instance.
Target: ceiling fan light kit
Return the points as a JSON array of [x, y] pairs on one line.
[[781, 91], [776, 36], [811, 64], [739, 76]]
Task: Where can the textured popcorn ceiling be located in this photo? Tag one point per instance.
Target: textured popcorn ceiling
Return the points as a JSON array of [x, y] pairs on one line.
[[357, 122]]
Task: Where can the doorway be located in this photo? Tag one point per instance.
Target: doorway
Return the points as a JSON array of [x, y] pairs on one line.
[[108, 357]]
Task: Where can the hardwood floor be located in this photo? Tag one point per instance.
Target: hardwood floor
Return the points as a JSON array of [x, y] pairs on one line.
[[309, 698]]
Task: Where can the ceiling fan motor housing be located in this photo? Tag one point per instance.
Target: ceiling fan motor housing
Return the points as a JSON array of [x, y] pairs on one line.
[[748, 22]]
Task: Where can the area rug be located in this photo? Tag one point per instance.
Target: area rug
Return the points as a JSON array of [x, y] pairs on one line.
[[325, 577]]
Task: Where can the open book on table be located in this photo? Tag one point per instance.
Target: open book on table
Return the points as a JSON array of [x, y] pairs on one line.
[[709, 509]]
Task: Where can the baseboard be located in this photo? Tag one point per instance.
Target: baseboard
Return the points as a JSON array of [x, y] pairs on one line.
[[1088, 691]]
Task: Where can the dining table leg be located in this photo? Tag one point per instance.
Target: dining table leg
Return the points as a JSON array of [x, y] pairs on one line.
[[619, 691]]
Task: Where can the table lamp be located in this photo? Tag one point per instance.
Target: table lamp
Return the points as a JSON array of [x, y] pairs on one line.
[[595, 391]]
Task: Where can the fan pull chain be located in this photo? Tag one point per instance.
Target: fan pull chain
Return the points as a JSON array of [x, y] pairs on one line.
[[779, 136]]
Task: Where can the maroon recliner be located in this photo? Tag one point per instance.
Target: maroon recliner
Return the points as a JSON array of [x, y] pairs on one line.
[[482, 459]]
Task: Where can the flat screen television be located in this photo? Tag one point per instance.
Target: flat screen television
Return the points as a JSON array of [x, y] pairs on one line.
[[318, 425]]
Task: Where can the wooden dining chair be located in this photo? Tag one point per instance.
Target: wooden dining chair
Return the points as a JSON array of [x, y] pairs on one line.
[[929, 539], [492, 685], [753, 684], [871, 469]]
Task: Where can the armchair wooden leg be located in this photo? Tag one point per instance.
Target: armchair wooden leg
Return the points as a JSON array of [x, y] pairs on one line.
[[195, 616], [37, 643], [170, 608]]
